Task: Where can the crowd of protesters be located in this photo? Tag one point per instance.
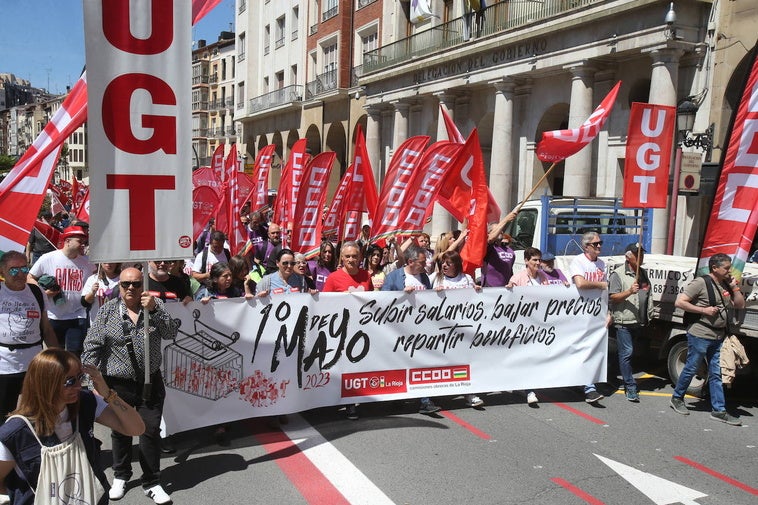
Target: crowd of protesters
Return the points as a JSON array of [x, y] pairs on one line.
[[98, 312]]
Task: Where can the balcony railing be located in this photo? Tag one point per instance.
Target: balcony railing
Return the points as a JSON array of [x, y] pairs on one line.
[[294, 34], [496, 18], [313, 30], [199, 79], [199, 132], [213, 79], [243, 6], [321, 84], [229, 103], [202, 105], [241, 57], [230, 131], [363, 3], [266, 48], [330, 13], [288, 94], [279, 43]]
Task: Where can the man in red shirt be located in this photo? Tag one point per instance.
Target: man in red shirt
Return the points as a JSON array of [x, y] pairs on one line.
[[350, 277]]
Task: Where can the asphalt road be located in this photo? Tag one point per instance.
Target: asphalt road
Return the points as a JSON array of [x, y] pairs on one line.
[[563, 452]]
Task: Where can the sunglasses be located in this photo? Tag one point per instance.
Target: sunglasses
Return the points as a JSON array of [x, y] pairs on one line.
[[73, 381], [596, 244], [128, 284], [288, 263], [18, 270]]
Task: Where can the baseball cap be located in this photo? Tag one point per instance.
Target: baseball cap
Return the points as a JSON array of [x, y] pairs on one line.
[[633, 248], [548, 256], [74, 231]]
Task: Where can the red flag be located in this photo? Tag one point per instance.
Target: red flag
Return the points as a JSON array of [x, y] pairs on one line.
[[404, 159], [290, 183], [82, 213], [56, 207], [217, 163], [202, 7], [231, 164], [475, 248], [307, 226], [648, 154], [406, 214], [362, 196], [74, 194], [261, 172], [558, 145], [456, 189], [335, 216], [205, 203], [51, 234], [734, 215], [206, 176]]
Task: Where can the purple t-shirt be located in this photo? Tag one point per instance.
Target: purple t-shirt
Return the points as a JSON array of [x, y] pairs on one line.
[[318, 274], [555, 277], [498, 265]]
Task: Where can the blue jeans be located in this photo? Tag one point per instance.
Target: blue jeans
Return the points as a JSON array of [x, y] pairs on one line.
[[625, 349], [697, 349], [70, 332]]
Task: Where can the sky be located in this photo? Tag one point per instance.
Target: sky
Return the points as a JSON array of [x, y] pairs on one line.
[[43, 40]]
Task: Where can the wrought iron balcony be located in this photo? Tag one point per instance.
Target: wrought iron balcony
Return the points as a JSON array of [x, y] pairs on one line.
[[322, 83], [330, 13], [199, 79], [286, 95], [495, 18]]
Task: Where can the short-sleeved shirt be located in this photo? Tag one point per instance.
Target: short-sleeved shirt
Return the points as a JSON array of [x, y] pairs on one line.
[[709, 327], [555, 277], [593, 271], [19, 324], [340, 281], [498, 267], [71, 275], [107, 290]]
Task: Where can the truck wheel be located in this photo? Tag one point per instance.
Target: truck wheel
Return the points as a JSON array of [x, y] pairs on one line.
[[676, 359]]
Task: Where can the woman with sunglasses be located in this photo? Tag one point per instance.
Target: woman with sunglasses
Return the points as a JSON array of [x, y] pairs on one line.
[[55, 410], [284, 279], [100, 287], [219, 285]]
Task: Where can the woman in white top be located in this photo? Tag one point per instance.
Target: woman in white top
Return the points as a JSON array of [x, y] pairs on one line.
[[101, 287]]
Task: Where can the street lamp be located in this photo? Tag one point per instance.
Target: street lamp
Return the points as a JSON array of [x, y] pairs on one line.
[[685, 121]]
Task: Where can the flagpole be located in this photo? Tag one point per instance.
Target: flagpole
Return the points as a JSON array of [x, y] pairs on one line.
[[547, 172]]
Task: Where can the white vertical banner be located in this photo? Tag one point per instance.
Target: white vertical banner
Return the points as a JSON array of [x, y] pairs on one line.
[[139, 76]]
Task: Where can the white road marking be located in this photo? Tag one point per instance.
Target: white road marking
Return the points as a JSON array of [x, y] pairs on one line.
[[351, 482], [659, 490]]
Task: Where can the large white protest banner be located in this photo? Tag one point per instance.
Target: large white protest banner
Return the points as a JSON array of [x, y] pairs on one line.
[[236, 358]]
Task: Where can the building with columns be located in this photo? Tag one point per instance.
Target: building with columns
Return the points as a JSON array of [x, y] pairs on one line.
[[514, 70]]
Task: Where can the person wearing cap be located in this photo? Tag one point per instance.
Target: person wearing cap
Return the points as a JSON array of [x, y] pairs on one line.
[[631, 309], [70, 268], [553, 275], [498, 262]]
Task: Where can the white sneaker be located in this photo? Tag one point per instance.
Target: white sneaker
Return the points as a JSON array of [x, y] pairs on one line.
[[474, 401], [531, 398], [158, 495], [4, 499], [118, 489]]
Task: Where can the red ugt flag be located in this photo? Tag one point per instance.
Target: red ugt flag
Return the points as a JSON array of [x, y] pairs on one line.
[[648, 155], [558, 145]]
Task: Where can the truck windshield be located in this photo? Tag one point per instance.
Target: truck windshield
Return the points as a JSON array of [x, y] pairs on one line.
[[522, 229]]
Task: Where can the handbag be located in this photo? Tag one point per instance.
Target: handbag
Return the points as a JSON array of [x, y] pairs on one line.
[[65, 475]]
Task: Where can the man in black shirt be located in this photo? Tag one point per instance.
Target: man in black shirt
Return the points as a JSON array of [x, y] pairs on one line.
[[165, 286]]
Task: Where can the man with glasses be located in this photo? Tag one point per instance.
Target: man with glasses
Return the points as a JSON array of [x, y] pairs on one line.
[[587, 271], [115, 344], [214, 252], [714, 297], [62, 274], [23, 327], [265, 251], [165, 286]]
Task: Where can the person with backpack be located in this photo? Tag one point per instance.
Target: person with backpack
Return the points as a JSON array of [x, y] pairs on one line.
[[213, 253], [631, 309], [713, 298]]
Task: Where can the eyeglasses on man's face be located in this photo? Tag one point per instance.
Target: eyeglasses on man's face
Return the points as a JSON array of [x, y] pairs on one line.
[[131, 284], [596, 244]]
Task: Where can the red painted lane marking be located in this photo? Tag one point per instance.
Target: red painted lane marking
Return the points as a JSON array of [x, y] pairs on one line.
[[580, 413], [473, 429], [718, 475], [577, 492], [312, 484]]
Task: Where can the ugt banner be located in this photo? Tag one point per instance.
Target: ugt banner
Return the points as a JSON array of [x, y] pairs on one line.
[[236, 358], [139, 61], [648, 155]]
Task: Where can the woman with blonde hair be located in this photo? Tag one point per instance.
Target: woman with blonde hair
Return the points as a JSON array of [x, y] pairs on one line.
[[49, 437]]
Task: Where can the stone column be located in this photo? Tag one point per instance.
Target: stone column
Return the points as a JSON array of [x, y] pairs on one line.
[[442, 221], [502, 180], [663, 84], [578, 171], [373, 141], [400, 131]]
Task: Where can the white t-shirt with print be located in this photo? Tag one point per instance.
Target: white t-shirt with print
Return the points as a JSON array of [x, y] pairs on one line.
[[71, 275]]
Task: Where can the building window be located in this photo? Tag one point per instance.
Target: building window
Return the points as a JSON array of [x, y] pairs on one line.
[[331, 9], [370, 42], [330, 57], [241, 47], [295, 19], [267, 39], [279, 80], [243, 6], [293, 74], [280, 27], [240, 95]]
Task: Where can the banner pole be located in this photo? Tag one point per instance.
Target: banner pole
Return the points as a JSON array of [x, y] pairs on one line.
[[547, 172], [146, 388]]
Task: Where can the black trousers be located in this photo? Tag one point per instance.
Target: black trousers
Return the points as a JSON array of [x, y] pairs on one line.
[[10, 389], [149, 442]]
